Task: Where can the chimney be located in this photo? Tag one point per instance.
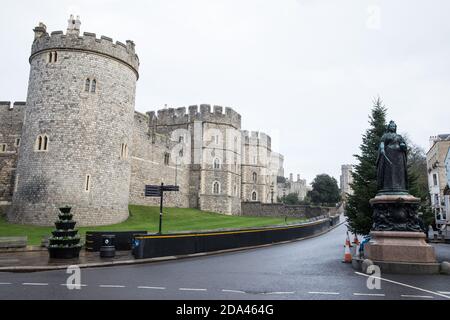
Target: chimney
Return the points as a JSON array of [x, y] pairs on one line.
[[73, 26], [291, 177]]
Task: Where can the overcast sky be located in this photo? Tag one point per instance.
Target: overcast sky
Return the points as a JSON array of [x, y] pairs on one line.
[[304, 71]]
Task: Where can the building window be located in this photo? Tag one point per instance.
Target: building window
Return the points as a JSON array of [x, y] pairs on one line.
[[16, 183], [52, 57], [254, 176], [216, 139], [216, 187], [93, 86], [17, 142], [254, 196], [3, 147], [235, 190], [435, 179], [166, 158], [42, 143], [180, 154], [87, 85], [216, 163], [87, 183], [124, 151]]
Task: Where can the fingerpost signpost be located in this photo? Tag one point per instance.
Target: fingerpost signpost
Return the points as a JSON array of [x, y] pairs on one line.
[[158, 191]]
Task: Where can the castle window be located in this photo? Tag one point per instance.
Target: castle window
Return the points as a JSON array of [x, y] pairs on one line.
[[254, 177], [254, 196], [41, 143], [216, 163], [235, 190], [93, 86], [50, 57], [87, 85], [180, 154], [3, 147], [166, 158], [55, 56], [87, 183], [17, 142], [16, 183], [216, 187], [180, 139], [124, 151]]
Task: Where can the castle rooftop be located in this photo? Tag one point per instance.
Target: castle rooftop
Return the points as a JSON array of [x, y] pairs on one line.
[[88, 42]]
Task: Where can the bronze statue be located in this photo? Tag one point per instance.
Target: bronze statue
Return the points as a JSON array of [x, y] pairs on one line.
[[394, 209], [392, 176]]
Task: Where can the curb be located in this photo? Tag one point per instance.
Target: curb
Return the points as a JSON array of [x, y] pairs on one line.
[[158, 259]]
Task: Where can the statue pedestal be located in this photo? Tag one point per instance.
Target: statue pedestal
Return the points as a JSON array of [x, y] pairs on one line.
[[395, 212], [399, 246]]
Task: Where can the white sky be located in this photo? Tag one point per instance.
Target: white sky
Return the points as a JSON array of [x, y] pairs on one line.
[[304, 71]]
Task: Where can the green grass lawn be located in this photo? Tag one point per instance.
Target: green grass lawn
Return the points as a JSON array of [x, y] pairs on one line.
[[147, 218]]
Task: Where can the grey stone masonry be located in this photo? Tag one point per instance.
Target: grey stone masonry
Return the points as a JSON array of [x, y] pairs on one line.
[[81, 96], [11, 121]]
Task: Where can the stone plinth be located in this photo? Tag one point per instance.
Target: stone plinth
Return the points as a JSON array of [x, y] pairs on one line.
[[395, 212], [399, 246]]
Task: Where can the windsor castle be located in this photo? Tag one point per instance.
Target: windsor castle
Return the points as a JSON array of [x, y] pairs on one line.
[[78, 141]]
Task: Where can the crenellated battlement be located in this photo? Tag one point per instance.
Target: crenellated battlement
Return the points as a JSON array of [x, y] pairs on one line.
[[256, 138], [16, 106], [88, 42], [203, 112]]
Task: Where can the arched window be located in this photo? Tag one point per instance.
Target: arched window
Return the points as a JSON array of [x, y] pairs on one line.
[[45, 146], [41, 143], [254, 196], [50, 57], [216, 187], [166, 158], [87, 85], [55, 56], [124, 151], [216, 163], [254, 177], [93, 86]]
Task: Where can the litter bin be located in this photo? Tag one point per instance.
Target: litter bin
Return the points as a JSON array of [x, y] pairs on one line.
[[108, 249]]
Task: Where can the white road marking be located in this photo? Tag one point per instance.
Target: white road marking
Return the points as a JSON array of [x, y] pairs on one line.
[[404, 284], [416, 296], [233, 291], [74, 285], [153, 288], [323, 292], [191, 289], [34, 284], [5, 283], [281, 292], [111, 286], [369, 294], [444, 292]]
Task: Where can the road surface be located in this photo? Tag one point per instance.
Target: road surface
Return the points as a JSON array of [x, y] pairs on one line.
[[307, 269]]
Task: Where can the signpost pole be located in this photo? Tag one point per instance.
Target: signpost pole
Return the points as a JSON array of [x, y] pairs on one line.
[[161, 208]]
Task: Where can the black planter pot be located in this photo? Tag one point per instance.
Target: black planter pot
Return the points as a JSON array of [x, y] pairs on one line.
[[64, 252], [65, 244], [64, 241], [65, 210], [64, 233], [65, 225], [65, 217]]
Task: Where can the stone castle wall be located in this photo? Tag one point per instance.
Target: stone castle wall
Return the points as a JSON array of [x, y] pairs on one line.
[[11, 120], [148, 166], [85, 133], [258, 209]]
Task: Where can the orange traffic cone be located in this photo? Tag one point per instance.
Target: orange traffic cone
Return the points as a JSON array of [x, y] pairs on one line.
[[347, 253], [356, 240]]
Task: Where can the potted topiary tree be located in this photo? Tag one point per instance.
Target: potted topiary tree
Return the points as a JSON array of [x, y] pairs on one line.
[[65, 241]]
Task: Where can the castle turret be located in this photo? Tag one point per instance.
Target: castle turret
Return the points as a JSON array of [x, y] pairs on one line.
[[77, 129]]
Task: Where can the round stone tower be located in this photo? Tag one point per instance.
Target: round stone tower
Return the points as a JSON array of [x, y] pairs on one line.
[[77, 129]]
